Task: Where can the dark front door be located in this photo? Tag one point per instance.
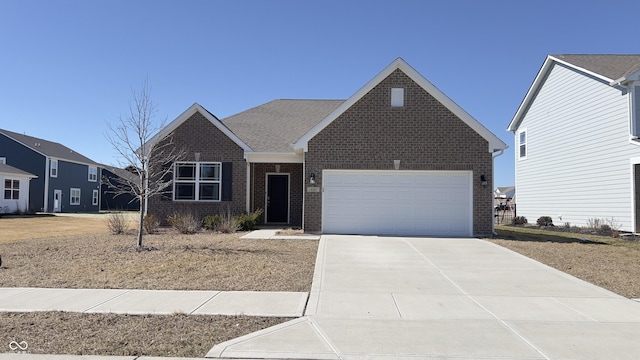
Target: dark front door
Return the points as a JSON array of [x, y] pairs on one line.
[[278, 198]]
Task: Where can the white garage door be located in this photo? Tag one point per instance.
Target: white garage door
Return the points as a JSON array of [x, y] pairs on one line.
[[397, 202]]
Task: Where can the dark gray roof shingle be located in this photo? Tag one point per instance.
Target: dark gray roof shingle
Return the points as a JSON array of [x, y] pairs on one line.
[[48, 148], [274, 126], [8, 169], [612, 66]]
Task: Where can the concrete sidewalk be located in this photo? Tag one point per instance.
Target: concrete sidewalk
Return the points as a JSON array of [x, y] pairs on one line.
[[159, 302], [406, 298]]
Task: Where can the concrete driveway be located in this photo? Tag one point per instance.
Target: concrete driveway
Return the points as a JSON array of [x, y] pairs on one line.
[[433, 298]]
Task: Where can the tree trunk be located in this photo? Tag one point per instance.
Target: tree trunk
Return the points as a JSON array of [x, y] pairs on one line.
[[141, 221]]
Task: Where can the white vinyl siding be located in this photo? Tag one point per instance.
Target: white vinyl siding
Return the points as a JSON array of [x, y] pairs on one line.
[[578, 129]]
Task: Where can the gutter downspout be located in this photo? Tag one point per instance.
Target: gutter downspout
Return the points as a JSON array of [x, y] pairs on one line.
[[493, 219], [47, 161]]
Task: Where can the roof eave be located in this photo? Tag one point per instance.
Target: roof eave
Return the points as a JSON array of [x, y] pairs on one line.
[[539, 79], [495, 144], [164, 132]]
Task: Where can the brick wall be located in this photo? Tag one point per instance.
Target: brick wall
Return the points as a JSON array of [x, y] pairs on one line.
[[258, 186], [423, 134], [199, 135]]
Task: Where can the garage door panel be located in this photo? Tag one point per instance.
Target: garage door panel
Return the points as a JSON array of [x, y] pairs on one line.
[[397, 202]]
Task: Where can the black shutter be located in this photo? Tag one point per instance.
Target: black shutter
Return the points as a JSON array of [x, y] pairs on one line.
[[167, 193], [227, 181]]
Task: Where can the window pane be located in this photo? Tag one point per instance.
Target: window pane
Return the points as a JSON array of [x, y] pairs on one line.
[[16, 184], [186, 172], [7, 194], [210, 172], [16, 194], [523, 151], [523, 137], [7, 184], [185, 191], [209, 191]]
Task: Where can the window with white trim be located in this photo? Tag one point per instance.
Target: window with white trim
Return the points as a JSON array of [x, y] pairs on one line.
[[11, 189], [522, 144], [95, 197], [74, 196], [197, 181], [3, 160], [93, 173], [53, 168]]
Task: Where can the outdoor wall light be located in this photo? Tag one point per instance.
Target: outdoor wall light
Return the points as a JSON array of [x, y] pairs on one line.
[[312, 178], [483, 180]]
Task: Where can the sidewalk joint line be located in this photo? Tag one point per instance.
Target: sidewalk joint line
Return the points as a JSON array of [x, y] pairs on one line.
[[502, 322], [205, 302], [106, 301], [395, 303], [572, 309], [325, 338]]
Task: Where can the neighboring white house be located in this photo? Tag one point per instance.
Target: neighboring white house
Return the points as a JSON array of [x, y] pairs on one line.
[[15, 189], [576, 141]]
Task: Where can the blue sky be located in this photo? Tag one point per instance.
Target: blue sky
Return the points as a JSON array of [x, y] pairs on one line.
[[67, 67]]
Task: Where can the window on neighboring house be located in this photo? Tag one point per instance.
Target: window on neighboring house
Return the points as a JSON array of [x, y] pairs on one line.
[[75, 196], [95, 197], [635, 125], [93, 173], [522, 144], [3, 160], [11, 189], [53, 168], [397, 97], [197, 181]]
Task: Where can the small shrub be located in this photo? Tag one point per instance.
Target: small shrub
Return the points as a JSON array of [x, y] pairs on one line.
[[605, 230], [211, 221], [545, 221], [594, 223], [228, 223], [520, 220], [613, 223], [247, 222], [150, 224], [117, 223], [185, 223]]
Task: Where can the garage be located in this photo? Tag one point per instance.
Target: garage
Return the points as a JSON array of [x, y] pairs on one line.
[[386, 202]]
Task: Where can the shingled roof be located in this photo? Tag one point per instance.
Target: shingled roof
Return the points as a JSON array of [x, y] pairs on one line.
[[8, 169], [610, 66], [274, 126], [48, 148]]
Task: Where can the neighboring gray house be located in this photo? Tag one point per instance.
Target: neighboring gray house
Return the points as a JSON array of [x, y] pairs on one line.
[[110, 198], [577, 141], [397, 157], [15, 189], [66, 180]]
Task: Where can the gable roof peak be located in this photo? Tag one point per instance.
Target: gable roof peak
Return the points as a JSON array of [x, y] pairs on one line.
[[208, 115], [615, 69], [399, 63]]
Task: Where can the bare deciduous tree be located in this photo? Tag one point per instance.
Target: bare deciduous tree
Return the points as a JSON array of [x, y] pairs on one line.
[[132, 137]]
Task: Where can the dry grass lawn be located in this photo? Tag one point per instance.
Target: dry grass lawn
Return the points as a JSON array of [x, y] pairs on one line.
[[81, 254], [611, 263], [49, 226]]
